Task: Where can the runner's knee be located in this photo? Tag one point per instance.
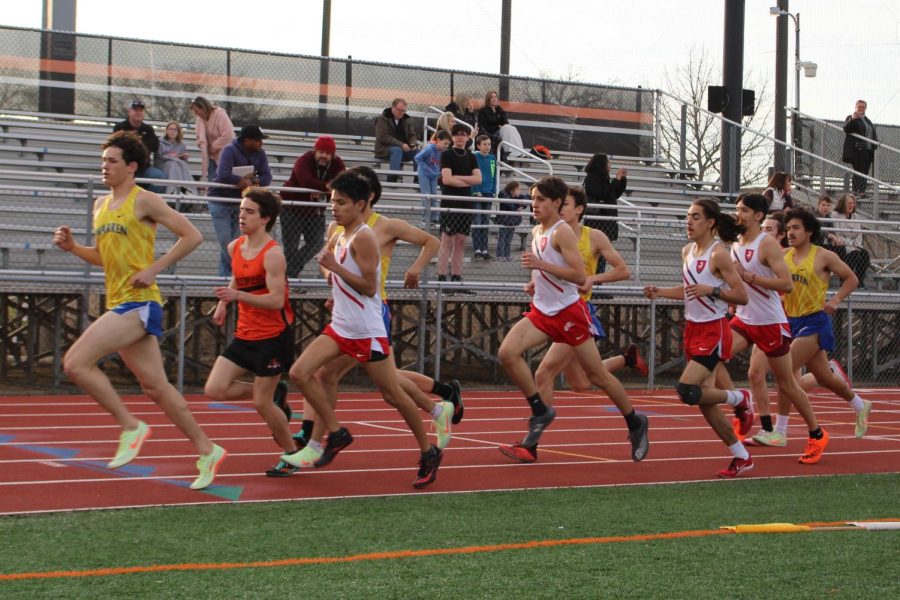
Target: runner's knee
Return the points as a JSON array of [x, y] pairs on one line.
[[689, 393]]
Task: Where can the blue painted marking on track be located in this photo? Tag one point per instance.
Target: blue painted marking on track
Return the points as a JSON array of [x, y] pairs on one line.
[[5, 437], [124, 471], [54, 452], [226, 406]]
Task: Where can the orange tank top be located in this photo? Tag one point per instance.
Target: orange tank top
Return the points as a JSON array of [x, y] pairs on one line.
[[250, 277]]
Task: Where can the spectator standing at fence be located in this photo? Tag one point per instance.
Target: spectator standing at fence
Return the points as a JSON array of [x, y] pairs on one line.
[[263, 343], [172, 157], [711, 283], [314, 169], [778, 192], [395, 137], [135, 122], [603, 191], [125, 225], [857, 152], [459, 173], [214, 132], [557, 314], [245, 151], [509, 218], [487, 164], [429, 169], [849, 237]]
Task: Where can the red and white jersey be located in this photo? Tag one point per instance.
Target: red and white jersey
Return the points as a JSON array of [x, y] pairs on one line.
[[697, 270], [354, 315], [551, 294], [763, 305]]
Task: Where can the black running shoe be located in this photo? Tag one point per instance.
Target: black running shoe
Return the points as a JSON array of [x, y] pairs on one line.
[[536, 427], [457, 400], [640, 443], [299, 440], [337, 441], [280, 399], [428, 466], [282, 469]]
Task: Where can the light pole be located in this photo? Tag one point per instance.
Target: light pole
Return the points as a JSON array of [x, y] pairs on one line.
[[809, 70]]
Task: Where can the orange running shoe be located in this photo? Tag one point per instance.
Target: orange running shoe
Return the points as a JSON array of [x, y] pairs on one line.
[[814, 449]]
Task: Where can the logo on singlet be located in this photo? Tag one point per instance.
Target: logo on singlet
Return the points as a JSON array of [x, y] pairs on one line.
[[748, 255], [343, 255], [701, 264], [543, 243]]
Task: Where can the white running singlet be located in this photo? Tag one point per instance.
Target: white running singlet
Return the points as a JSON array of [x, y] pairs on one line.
[[354, 315], [551, 294], [697, 270], [763, 305]]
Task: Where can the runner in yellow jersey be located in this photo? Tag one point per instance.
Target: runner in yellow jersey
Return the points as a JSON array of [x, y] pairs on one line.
[[388, 232], [125, 231], [592, 244]]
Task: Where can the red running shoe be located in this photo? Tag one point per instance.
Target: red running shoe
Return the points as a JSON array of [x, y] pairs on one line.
[[640, 364], [524, 454], [428, 466], [743, 411], [736, 467]]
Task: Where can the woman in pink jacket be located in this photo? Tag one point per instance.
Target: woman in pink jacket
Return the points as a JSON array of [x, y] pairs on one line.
[[214, 131]]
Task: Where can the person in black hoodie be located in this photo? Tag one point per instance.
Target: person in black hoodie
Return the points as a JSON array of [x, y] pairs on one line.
[[600, 190]]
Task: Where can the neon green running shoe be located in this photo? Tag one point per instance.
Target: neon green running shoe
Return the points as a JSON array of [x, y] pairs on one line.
[[303, 459], [208, 465], [862, 418], [770, 438], [442, 425], [130, 442]]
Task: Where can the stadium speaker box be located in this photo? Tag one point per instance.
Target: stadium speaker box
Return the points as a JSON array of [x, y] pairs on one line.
[[716, 99], [748, 103]]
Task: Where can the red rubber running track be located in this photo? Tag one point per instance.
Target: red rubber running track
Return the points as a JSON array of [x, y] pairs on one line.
[[53, 450]]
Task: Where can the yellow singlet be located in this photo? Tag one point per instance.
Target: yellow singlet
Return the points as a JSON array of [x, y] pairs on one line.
[[126, 247], [587, 256], [808, 295], [385, 258]]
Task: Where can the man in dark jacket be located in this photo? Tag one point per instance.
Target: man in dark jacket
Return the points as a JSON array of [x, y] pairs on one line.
[[857, 152], [601, 190], [313, 170], [395, 137], [135, 122]]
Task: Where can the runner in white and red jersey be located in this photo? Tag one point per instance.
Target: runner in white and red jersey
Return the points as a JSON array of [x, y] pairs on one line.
[[710, 284], [558, 314], [760, 262], [357, 330]]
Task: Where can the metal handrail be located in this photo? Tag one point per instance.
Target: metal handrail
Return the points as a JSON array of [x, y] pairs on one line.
[[525, 156], [833, 126]]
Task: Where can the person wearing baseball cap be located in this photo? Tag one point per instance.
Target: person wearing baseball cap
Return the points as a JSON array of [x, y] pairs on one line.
[[135, 122], [313, 170], [245, 150]]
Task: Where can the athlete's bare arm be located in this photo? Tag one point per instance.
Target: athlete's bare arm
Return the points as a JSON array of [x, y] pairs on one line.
[[364, 249], [398, 229], [723, 267], [828, 263], [772, 256], [563, 241], [619, 271], [152, 208]]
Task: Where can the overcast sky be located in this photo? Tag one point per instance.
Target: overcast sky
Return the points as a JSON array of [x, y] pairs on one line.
[[855, 44]]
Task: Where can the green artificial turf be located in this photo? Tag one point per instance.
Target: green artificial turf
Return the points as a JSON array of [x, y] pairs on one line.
[[856, 564]]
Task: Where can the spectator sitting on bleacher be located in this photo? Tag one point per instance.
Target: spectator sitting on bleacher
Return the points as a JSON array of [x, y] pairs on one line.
[[487, 164], [459, 173], [778, 193], [827, 239], [135, 122], [172, 157], [491, 117], [603, 190], [463, 109], [245, 151], [214, 131], [428, 161], [446, 122], [313, 170], [395, 137], [856, 256], [509, 221]]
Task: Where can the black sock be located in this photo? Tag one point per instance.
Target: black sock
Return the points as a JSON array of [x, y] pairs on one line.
[[538, 408], [442, 389], [817, 434], [630, 361], [306, 429], [766, 422], [633, 422]]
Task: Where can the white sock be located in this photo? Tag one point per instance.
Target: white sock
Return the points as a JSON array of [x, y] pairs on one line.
[[437, 411], [781, 424], [857, 403], [738, 451], [317, 446], [733, 397]]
